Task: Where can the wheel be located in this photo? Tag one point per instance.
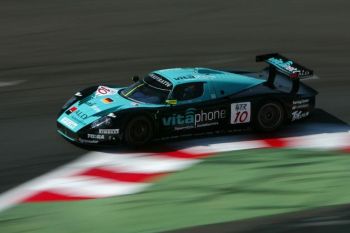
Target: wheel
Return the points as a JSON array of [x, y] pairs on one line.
[[138, 131], [270, 117]]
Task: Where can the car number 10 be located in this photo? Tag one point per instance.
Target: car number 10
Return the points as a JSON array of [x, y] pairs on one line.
[[240, 113]]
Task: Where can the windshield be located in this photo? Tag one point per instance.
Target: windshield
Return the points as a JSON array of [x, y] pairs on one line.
[[145, 93]]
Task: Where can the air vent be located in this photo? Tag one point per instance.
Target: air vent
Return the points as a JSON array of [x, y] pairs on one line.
[[208, 71]]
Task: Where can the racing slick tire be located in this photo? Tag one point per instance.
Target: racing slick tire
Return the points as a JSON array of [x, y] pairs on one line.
[[138, 131], [270, 116]]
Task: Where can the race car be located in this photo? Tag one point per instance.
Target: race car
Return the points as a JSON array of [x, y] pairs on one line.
[[189, 101]]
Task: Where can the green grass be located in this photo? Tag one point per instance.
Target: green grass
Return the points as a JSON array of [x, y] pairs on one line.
[[230, 186]]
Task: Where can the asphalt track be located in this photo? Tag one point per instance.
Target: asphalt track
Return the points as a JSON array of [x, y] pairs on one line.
[[320, 220], [50, 49]]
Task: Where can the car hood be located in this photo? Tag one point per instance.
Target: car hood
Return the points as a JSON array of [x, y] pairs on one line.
[[103, 101]]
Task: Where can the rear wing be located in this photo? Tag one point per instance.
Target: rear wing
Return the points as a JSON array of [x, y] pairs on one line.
[[281, 64]]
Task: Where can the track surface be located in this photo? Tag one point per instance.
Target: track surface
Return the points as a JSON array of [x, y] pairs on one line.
[[321, 220], [50, 49]]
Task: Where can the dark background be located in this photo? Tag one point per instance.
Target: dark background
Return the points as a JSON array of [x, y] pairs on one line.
[[57, 47]]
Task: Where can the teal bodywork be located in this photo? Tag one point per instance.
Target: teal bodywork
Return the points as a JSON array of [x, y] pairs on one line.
[[219, 80], [94, 106]]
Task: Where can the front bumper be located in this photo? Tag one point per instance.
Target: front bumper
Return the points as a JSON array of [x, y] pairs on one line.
[[87, 137]]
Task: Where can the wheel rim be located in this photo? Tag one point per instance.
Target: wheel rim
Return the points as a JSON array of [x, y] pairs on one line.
[[270, 116], [139, 131]]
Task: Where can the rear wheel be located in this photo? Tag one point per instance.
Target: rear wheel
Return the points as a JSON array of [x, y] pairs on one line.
[[138, 131], [270, 117]]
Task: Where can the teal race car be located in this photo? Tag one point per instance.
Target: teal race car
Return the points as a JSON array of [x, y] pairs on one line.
[[189, 101]]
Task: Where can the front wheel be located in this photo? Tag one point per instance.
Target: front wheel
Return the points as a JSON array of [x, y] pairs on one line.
[[270, 117], [138, 131]]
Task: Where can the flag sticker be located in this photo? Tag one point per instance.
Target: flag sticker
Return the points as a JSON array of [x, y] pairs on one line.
[[71, 110], [107, 100]]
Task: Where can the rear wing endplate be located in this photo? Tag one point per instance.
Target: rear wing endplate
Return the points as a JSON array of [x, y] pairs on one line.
[[281, 64]]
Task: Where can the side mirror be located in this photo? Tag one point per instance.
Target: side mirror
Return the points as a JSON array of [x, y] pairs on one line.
[[171, 102], [135, 78]]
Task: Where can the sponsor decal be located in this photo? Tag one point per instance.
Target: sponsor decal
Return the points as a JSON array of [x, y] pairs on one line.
[[103, 90], [87, 141], [240, 113], [287, 65], [297, 115], [184, 77], [78, 113], [81, 115], [103, 120], [192, 119], [108, 131], [299, 104], [69, 123], [107, 100], [71, 110], [160, 80], [302, 101], [96, 136]]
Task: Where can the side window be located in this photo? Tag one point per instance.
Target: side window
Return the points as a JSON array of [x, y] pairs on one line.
[[188, 91]]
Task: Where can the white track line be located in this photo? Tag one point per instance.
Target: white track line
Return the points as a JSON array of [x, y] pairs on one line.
[[66, 179], [140, 163], [21, 192], [321, 141], [126, 162], [10, 83], [90, 187], [228, 146]]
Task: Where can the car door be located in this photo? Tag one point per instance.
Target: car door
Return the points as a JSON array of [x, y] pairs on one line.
[[194, 111]]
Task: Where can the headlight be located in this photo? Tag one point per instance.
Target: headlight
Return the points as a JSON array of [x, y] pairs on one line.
[[69, 102], [112, 115], [106, 120]]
